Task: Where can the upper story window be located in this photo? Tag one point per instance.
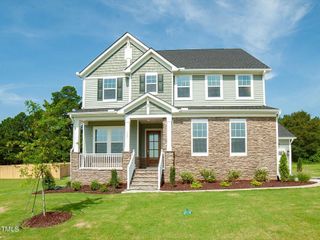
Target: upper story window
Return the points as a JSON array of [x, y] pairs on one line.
[[110, 89], [238, 135], [199, 143], [108, 139], [151, 82], [214, 87], [183, 87], [244, 86]]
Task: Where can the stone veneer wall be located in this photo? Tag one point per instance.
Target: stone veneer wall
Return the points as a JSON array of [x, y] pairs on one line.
[[261, 144], [102, 176]]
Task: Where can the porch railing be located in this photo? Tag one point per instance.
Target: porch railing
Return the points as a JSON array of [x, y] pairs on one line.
[[130, 169], [100, 161], [160, 169]]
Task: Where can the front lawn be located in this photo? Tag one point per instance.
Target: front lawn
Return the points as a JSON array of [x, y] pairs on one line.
[[261, 214], [312, 168]]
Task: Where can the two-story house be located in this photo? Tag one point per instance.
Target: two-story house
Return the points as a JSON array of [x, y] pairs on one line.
[[146, 110]]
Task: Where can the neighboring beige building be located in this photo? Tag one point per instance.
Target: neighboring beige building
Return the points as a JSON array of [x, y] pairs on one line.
[[144, 111]]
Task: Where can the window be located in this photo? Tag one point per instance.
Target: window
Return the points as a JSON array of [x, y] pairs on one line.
[[244, 83], [238, 134], [199, 137], [214, 86], [110, 89], [108, 140], [151, 82], [183, 87], [101, 140]]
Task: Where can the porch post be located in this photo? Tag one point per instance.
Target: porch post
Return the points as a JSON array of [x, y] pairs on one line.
[[127, 134], [76, 136], [169, 133]]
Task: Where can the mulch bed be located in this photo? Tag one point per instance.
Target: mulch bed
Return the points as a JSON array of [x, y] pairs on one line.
[[235, 185], [86, 189], [50, 219]]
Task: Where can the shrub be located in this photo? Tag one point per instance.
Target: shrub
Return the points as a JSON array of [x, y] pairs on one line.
[[186, 177], [233, 175], [76, 186], [283, 168], [256, 183], [208, 175], [303, 177], [172, 176], [292, 178], [225, 184], [104, 188], [114, 181], [299, 165], [196, 185], [48, 181], [261, 175], [94, 186], [68, 184]]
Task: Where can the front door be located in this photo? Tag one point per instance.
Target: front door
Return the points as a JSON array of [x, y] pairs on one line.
[[153, 146]]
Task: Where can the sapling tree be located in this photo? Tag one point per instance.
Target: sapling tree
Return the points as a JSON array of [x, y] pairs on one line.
[[283, 168]]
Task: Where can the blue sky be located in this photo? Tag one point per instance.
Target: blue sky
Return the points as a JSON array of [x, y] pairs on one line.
[[43, 43]]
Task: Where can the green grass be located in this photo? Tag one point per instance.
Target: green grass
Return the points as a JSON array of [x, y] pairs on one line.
[[312, 168], [259, 214]]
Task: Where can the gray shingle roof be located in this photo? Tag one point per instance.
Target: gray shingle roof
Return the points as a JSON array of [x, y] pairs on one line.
[[283, 132], [212, 58], [229, 107]]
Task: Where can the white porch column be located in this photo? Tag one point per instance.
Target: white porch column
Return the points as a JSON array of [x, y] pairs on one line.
[[127, 134], [169, 133], [76, 136]]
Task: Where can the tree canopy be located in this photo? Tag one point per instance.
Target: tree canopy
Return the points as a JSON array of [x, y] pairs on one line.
[[307, 131], [44, 134]]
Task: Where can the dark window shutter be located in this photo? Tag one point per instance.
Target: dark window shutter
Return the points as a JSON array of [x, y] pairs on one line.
[[100, 89], [142, 83], [119, 89], [160, 83]]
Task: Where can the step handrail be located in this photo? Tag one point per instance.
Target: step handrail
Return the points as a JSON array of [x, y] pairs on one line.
[[160, 169], [130, 169]]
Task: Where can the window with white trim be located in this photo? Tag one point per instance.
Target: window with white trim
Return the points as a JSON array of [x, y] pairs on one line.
[[110, 89], [183, 87], [199, 137], [214, 86], [152, 82], [244, 86], [238, 135], [108, 139]]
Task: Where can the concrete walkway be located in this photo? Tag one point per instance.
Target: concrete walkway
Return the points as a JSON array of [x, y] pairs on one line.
[[316, 184]]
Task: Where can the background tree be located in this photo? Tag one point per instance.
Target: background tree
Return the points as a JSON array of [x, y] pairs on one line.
[[307, 131]]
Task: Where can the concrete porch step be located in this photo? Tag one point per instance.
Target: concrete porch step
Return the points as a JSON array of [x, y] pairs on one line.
[[142, 188], [145, 179], [137, 183]]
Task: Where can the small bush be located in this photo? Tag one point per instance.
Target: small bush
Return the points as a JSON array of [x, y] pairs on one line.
[[292, 178], [208, 175], [196, 185], [233, 175], [172, 176], [48, 181], [94, 186], [299, 165], [76, 186], [186, 177], [68, 184], [303, 177], [114, 181], [283, 168], [261, 175], [225, 184], [256, 183], [104, 188]]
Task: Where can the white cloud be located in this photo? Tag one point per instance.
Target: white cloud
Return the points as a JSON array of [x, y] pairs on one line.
[[8, 97], [253, 25]]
